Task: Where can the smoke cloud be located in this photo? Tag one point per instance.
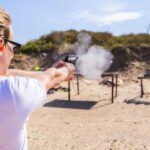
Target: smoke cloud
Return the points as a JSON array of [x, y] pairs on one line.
[[93, 60], [83, 42]]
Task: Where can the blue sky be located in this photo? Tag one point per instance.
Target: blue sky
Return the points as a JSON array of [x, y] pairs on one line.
[[33, 18]]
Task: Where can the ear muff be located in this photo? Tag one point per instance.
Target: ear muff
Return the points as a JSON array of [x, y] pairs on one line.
[[1, 44]]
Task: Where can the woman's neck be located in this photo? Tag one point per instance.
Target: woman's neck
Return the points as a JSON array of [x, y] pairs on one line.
[[2, 73]]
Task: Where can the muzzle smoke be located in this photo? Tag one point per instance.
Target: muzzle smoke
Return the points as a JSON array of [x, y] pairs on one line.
[[93, 60]]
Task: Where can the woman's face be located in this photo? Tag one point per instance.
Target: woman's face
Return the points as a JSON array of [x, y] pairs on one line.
[[7, 54]]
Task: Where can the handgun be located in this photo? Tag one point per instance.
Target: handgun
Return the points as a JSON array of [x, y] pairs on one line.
[[71, 59]]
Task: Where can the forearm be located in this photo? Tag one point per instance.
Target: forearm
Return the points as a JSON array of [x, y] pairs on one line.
[[50, 78], [23, 73], [57, 76]]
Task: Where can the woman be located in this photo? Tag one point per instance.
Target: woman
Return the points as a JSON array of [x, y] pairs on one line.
[[21, 91]]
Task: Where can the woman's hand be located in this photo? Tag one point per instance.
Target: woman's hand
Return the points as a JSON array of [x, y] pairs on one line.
[[70, 67], [55, 75], [58, 64]]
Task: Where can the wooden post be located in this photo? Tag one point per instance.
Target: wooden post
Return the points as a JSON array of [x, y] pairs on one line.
[[78, 90], [112, 89], [69, 90], [142, 88], [116, 85]]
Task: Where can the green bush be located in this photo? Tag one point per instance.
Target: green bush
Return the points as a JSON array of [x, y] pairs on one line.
[[70, 36], [120, 50], [37, 46], [101, 38]]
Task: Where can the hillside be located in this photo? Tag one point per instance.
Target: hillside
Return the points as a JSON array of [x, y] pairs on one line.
[[124, 60], [130, 51]]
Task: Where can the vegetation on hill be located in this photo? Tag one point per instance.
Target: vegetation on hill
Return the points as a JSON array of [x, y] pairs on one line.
[[47, 49], [57, 39]]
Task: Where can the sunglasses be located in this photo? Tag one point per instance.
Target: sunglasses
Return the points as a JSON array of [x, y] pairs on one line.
[[16, 45]]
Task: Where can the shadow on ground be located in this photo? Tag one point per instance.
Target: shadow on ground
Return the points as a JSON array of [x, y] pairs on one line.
[[137, 101], [74, 104]]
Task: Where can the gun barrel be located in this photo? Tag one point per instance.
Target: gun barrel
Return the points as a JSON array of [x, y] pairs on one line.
[[71, 59]]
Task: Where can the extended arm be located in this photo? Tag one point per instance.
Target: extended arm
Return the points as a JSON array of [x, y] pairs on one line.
[[50, 78], [23, 73]]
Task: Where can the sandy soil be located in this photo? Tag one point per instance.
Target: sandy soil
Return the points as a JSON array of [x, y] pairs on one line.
[[90, 121]]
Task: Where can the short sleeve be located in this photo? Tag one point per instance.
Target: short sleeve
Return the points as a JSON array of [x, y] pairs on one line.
[[27, 94]]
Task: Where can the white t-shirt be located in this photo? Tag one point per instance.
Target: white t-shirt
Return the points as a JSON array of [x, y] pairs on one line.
[[19, 96]]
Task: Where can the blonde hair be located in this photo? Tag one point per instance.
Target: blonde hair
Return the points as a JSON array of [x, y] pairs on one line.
[[5, 22]]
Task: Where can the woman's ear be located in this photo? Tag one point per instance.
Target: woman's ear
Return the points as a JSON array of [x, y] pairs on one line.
[[1, 44]]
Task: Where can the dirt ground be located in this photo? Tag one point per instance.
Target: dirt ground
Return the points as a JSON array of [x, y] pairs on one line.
[[90, 121]]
